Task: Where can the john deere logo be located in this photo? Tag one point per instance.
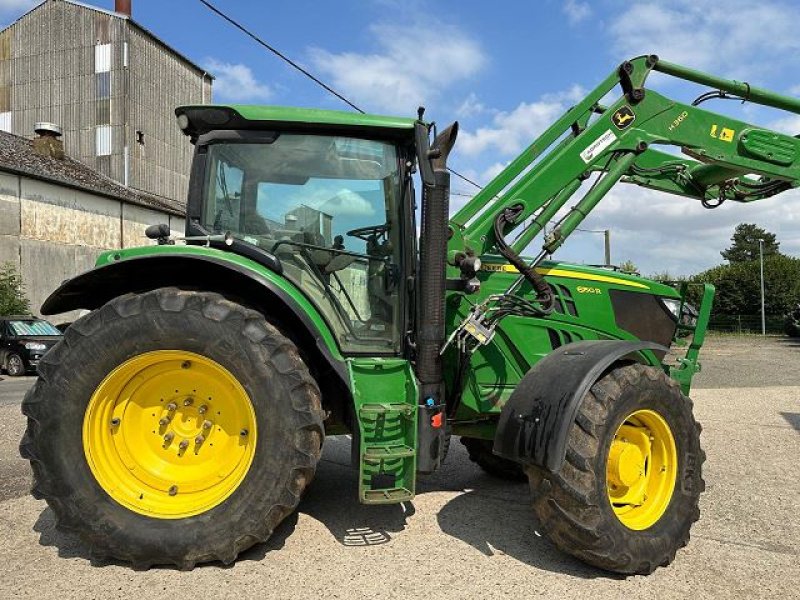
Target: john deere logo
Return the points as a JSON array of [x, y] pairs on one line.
[[623, 117]]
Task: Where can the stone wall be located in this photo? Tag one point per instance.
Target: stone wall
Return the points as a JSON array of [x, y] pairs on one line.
[[51, 233]]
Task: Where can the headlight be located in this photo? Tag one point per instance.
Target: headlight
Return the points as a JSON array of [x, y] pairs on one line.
[[673, 305], [35, 346]]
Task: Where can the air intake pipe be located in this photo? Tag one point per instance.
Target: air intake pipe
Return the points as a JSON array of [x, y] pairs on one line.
[[430, 300]]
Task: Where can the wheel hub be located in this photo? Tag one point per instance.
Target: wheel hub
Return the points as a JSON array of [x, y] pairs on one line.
[[626, 463], [641, 469], [163, 434]]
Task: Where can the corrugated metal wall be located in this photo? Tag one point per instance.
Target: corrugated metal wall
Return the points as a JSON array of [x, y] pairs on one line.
[[51, 69], [159, 83]]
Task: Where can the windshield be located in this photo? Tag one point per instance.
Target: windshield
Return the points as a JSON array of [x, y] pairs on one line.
[[33, 328], [328, 207]]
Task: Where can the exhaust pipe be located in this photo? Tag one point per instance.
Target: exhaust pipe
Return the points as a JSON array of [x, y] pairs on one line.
[[430, 300]]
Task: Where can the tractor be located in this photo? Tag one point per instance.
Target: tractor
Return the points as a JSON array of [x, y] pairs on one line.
[[182, 418]]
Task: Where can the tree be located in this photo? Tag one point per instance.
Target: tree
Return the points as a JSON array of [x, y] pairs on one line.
[[745, 244], [739, 286], [629, 267], [12, 292]]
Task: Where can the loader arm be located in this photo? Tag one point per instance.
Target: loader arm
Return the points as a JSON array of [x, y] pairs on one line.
[[592, 148], [618, 142]]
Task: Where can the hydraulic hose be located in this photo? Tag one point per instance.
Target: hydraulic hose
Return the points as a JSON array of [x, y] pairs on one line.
[[544, 293]]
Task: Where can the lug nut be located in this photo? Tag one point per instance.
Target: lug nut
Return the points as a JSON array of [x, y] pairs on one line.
[[173, 490], [188, 402], [164, 421], [202, 410], [171, 406], [168, 437], [207, 424], [115, 421], [183, 445], [199, 439], [243, 432]]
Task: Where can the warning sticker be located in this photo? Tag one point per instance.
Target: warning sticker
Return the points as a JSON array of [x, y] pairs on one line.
[[597, 146]]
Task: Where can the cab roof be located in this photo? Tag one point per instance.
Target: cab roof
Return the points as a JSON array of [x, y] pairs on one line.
[[200, 119]]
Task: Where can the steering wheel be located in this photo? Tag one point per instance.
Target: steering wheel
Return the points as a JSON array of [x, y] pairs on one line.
[[365, 233]]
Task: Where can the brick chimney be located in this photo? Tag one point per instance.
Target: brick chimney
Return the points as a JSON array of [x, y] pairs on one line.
[[47, 142], [123, 7]]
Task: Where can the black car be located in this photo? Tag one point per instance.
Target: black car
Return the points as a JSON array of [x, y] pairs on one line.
[[23, 341]]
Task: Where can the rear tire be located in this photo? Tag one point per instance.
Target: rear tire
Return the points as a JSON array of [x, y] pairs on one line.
[[287, 417], [574, 506], [480, 452], [15, 366]]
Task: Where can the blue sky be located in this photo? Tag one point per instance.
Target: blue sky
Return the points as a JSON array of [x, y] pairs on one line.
[[505, 70]]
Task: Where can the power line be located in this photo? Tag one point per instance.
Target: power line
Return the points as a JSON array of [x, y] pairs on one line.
[[279, 54], [294, 65]]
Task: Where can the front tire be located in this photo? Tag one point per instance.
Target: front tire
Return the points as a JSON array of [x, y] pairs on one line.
[[480, 452], [210, 404], [628, 492]]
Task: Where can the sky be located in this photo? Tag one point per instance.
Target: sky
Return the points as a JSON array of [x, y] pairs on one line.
[[505, 71]]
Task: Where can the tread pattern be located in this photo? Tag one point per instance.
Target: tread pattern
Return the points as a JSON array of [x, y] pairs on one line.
[[107, 540], [572, 506]]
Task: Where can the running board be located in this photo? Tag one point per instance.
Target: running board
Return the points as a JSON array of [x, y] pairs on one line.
[[386, 396]]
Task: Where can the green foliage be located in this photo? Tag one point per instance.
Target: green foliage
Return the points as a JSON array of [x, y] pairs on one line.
[[667, 277], [739, 286], [629, 267], [12, 292], [745, 244]]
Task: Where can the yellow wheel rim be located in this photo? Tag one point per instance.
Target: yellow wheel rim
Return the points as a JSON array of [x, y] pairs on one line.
[[641, 470], [169, 434]]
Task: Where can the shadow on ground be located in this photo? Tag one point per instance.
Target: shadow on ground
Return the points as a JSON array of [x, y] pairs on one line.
[[488, 514], [793, 419]]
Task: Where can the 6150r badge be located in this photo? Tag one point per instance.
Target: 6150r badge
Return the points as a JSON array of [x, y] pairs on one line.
[[623, 117]]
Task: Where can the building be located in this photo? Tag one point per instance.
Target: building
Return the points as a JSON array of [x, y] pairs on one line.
[[57, 214], [109, 83]]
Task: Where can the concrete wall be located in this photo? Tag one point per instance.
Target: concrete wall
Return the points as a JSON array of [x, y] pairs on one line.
[[51, 233]]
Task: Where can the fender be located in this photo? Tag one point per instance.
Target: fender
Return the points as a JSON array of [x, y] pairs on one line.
[[200, 269], [535, 422]]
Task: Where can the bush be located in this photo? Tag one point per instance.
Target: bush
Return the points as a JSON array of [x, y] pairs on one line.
[[739, 286], [12, 292]]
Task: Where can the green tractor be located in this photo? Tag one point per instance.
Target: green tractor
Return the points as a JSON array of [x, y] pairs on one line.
[[181, 419]]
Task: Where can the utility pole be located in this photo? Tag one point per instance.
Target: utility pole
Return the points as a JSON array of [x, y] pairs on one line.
[[763, 313], [607, 234]]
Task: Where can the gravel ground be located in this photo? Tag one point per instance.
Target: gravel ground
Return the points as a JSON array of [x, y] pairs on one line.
[[467, 535]]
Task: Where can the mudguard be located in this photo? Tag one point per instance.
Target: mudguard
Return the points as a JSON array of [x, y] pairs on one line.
[[240, 283], [535, 422]]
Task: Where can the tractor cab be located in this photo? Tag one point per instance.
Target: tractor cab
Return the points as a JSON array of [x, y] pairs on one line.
[[333, 206]]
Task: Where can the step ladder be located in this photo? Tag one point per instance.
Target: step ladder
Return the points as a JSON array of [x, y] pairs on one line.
[[385, 394]]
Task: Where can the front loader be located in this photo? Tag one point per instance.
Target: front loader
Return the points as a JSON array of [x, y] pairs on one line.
[[181, 420]]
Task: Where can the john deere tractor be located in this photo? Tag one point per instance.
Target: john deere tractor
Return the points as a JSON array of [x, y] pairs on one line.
[[182, 418]]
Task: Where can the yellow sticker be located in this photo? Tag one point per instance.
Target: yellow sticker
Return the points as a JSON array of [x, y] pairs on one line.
[[726, 135]]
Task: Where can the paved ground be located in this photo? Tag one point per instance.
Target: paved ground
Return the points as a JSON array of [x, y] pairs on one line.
[[467, 535]]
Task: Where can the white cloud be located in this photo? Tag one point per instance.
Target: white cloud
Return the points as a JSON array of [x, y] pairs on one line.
[[737, 37], [236, 83], [662, 232], [346, 203], [576, 11], [471, 107], [789, 125], [411, 68], [511, 131]]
